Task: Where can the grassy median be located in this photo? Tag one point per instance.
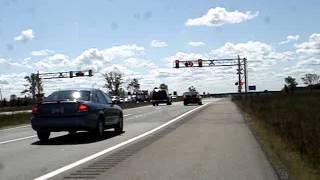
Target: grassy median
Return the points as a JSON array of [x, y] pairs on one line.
[[14, 119], [290, 126]]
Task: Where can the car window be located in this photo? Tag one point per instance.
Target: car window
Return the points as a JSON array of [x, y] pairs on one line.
[[107, 98], [101, 98], [69, 95]]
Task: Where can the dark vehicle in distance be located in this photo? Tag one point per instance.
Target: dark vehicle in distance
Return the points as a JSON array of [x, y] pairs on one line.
[[76, 110], [160, 96], [192, 98]]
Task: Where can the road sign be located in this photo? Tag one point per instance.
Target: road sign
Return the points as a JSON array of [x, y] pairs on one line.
[[252, 88]]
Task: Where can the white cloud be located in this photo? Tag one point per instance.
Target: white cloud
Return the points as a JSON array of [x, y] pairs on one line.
[[43, 52], [310, 47], [3, 82], [196, 43], [25, 36], [54, 61], [219, 16], [2, 60], [289, 39], [158, 44]]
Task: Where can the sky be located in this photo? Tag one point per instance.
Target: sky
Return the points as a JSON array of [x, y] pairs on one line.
[[142, 38]]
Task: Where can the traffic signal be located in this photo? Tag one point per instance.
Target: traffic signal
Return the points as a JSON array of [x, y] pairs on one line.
[[200, 62], [177, 63], [79, 73], [90, 73]]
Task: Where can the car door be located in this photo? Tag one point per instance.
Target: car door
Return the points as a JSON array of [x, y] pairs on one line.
[[106, 107], [114, 110]]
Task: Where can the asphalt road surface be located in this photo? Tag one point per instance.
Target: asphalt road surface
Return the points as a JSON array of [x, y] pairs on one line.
[[166, 142]]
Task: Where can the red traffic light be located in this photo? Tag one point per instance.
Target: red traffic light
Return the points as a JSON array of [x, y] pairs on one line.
[[200, 62], [177, 63]]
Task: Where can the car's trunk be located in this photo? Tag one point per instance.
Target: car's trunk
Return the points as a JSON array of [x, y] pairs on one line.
[[58, 108]]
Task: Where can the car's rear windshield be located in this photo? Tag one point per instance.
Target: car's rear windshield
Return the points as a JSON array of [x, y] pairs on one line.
[[190, 93], [159, 95], [69, 95]]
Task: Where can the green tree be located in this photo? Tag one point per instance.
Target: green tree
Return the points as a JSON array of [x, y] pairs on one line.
[[310, 79], [33, 86], [163, 86], [291, 83], [113, 82], [192, 89], [133, 85]]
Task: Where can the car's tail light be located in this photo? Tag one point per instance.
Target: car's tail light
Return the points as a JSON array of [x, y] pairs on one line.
[[35, 109], [83, 107]]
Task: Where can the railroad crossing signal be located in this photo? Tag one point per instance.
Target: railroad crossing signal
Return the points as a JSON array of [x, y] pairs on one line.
[[241, 70]]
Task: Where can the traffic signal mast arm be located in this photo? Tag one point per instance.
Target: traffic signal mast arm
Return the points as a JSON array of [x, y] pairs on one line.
[[206, 63], [69, 74]]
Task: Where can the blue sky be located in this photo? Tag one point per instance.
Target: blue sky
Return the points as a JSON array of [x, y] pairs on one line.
[[68, 29]]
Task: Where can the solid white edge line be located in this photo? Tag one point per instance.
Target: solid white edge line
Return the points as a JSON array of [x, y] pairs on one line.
[[126, 115], [91, 157], [18, 127], [19, 139]]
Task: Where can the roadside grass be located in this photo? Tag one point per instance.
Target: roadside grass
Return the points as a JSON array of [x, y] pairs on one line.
[[14, 119], [15, 108], [289, 125]]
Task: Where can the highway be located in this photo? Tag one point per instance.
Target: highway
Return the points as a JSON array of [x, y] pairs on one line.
[[166, 142]]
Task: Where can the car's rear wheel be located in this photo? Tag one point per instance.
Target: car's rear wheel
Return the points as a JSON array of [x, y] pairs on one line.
[[185, 103], [119, 127], [100, 129], [169, 103], [200, 103], [43, 135]]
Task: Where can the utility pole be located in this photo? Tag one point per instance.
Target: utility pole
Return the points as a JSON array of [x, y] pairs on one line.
[[0, 95], [239, 75], [245, 75]]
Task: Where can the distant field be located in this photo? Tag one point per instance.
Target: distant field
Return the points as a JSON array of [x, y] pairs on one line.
[[15, 108], [295, 119]]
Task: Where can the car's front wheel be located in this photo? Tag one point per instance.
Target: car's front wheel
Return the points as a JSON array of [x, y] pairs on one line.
[[43, 135], [119, 127]]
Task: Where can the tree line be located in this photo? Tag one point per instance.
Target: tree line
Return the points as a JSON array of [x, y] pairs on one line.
[[311, 80]]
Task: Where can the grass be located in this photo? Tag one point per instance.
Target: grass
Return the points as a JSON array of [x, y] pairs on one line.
[[15, 108], [290, 126], [14, 119]]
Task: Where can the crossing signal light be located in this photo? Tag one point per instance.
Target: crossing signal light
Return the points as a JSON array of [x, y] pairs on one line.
[[79, 74], [177, 63], [200, 62]]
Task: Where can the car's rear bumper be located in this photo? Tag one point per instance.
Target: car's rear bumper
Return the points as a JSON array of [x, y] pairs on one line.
[[159, 101], [83, 122], [192, 100]]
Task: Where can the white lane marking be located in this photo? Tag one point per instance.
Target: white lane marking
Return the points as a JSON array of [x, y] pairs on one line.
[[91, 157], [18, 127], [19, 139], [126, 115]]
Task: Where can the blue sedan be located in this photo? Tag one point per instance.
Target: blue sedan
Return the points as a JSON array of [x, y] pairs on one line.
[[76, 110]]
